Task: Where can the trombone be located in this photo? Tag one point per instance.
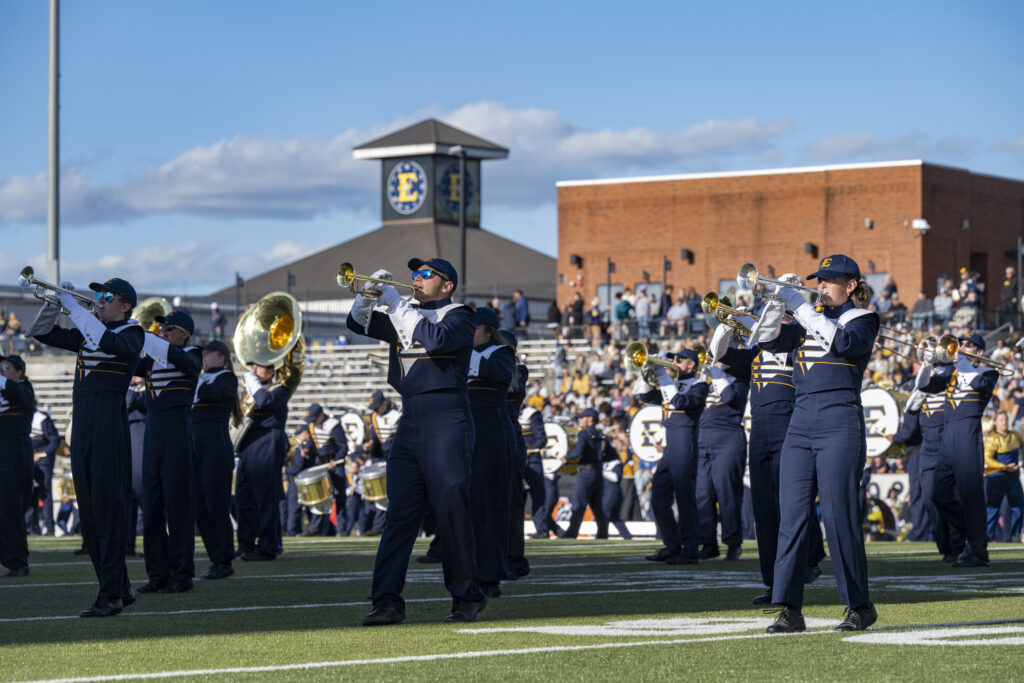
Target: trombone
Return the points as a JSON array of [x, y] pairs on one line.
[[347, 278], [947, 349], [28, 278], [748, 279], [717, 309], [636, 358]]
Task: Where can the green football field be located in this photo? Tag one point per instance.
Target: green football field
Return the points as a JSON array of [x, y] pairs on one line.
[[589, 610]]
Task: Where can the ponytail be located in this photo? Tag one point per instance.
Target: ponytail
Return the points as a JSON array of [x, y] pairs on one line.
[[861, 295]]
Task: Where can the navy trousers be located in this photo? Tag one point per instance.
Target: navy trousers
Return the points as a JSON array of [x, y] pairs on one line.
[[36, 520], [489, 492], [15, 493], [516, 557], [258, 490], [168, 500], [824, 453], [292, 519], [429, 464], [215, 461], [534, 475], [101, 465], [921, 519], [611, 503], [675, 480], [998, 485], [722, 457], [551, 496], [589, 491], [960, 469]]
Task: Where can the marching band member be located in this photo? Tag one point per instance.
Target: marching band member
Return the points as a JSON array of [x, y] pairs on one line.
[[17, 405], [531, 424], [961, 455], [331, 447], [45, 442], [214, 406], [429, 463], [518, 565], [590, 453], [168, 459], [825, 447], [300, 458], [384, 422], [1002, 476], [675, 479], [108, 346], [722, 457], [771, 405], [491, 369], [135, 400], [261, 454]]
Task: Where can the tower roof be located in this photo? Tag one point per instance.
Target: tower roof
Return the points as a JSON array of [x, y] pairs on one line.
[[429, 137]]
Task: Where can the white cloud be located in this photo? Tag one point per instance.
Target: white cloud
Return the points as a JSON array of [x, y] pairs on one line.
[[852, 146]]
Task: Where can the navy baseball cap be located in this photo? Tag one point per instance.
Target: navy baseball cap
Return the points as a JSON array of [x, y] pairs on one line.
[[177, 317], [376, 399], [14, 360], [975, 339], [116, 285], [217, 345], [510, 336], [486, 316], [834, 266], [314, 411], [589, 412], [446, 269], [689, 354]]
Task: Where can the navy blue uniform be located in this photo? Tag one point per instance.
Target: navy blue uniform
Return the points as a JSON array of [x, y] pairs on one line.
[[291, 521], [490, 373], [430, 457], [824, 452], [611, 496], [675, 479], [331, 445], [588, 453], [215, 397], [722, 457], [261, 454], [17, 405], [517, 563], [168, 465], [135, 400], [531, 425], [46, 440], [101, 444], [961, 455]]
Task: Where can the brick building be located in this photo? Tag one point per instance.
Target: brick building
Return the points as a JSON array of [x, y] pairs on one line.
[[697, 230]]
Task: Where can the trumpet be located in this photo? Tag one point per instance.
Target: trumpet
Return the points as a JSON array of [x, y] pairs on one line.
[[636, 358], [947, 350], [28, 278], [347, 278], [717, 309], [748, 279]]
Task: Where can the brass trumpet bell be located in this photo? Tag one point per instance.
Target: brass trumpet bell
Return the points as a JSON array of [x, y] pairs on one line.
[[748, 278], [147, 311], [717, 309], [636, 358], [347, 279]]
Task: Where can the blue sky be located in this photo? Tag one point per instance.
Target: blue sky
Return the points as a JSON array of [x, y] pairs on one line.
[[200, 138]]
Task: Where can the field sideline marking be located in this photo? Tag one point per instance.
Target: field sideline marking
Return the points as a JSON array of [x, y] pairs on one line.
[[415, 658]]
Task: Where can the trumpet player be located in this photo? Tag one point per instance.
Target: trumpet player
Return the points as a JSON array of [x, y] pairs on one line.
[[825, 445], [429, 463], [682, 402], [108, 346]]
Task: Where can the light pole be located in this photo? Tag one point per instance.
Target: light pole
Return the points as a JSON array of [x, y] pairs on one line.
[[53, 160]]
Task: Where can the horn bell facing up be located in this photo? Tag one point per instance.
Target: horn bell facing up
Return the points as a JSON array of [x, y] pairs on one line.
[[268, 331], [147, 311]]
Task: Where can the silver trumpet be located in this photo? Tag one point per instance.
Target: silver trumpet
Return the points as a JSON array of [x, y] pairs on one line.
[[748, 279], [28, 278]]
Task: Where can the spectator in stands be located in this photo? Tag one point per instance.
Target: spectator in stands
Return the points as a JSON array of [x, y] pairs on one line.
[[13, 333], [574, 316], [554, 320], [217, 323], [621, 314], [693, 300], [594, 319], [972, 295], [883, 306], [642, 309], [943, 305], [922, 312], [507, 314], [665, 301], [889, 285], [522, 308], [898, 311], [674, 323], [1009, 307]]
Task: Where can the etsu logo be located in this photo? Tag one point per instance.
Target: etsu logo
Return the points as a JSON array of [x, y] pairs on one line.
[[448, 188], [407, 187], [826, 262]]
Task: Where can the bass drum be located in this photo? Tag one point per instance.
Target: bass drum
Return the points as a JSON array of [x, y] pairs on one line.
[[561, 439], [356, 423], [647, 433], [883, 409]]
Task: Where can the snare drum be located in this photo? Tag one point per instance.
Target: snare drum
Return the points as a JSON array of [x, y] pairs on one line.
[[647, 433], [561, 439], [375, 484], [883, 409], [67, 487], [314, 489]]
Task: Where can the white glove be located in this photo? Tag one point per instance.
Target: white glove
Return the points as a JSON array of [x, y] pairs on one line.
[[792, 297], [389, 296], [252, 383], [719, 343], [791, 278], [66, 284], [928, 356], [666, 384], [66, 299], [770, 324], [379, 275], [641, 387], [924, 375]]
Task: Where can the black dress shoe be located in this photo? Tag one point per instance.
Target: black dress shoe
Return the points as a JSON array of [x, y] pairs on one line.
[[788, 621], [660, 556], [540, 534], [257, 556], [178, 586], [680, 559], [709, 551], [811, 573], [384, 615], [128, 598], [17, 571], [948, 558], [153, 586], [858, 619], [968, 559], [217, 571], [491, 591], [428, 559], [734, 552], [465, 611], [764, 598], [102, 608]]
